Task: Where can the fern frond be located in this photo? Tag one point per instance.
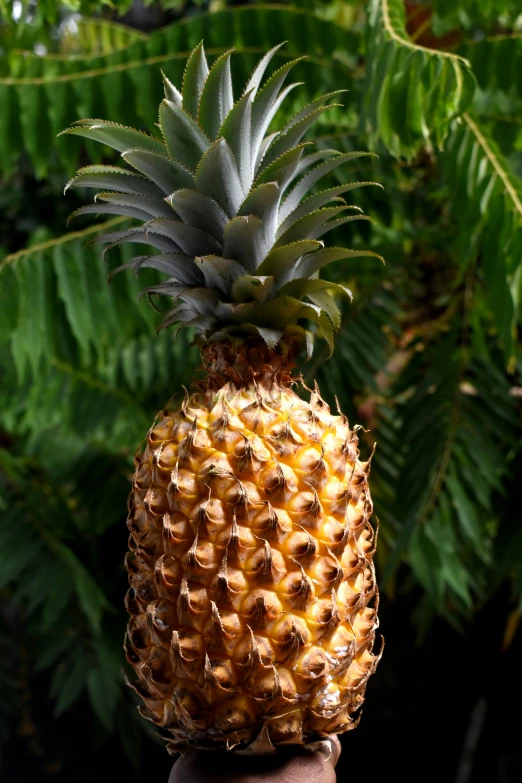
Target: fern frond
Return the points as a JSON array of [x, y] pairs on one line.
[[412, 93], [41, 95], [486, 200]]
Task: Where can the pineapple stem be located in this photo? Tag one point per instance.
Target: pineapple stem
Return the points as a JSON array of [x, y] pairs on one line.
[[250, 362]]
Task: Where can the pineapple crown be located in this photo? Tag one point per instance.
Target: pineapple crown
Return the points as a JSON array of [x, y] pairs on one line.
[[227, 206]]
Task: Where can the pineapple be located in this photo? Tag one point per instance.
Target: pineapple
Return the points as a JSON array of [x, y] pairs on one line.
[[252, 595]]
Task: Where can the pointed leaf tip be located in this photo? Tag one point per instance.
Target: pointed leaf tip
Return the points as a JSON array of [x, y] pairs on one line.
[[270, 336], [171, 92], [259, 70], [217, 97], [194, 78]]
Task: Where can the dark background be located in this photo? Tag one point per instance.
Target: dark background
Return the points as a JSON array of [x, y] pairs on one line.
[[448, 709]]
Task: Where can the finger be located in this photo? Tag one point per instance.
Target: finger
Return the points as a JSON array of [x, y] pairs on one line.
[[291, 764], [329, 747], [336, 748], [333, 750]]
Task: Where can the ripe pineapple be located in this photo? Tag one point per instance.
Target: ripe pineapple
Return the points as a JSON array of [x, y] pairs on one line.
[[250, 563]]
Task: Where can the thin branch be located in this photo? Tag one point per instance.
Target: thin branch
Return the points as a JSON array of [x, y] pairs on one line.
[[94, 383], [446, 455], [416, 47], [503, 176], [510, 631], [471, 741], [12, 258], [440, 476], [492, 38], [420, 30], [118, 67], [101, 24], [501, 118], [160, 58]]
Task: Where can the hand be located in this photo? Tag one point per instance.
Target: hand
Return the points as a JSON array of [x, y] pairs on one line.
[[290, 765]]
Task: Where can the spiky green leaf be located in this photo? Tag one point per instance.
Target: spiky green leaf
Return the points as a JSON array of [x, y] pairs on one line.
[[116, 136], [194, 78], [198, 209], [252, 287], [217, 98], [303, 187], [237, 132], [282, 260], [219, 272], [244, 240], [218, 176], [185, 140], [114, 178], [168, 174]]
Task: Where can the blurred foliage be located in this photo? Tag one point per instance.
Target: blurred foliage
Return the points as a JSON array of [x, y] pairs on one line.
[[428, 359]]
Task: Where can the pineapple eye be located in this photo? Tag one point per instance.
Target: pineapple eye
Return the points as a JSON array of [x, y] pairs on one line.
[[235, 714], [298, 544], [312, 663], [138, 633]]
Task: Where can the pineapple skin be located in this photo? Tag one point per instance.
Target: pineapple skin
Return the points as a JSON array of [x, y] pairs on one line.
[[252, 600]]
